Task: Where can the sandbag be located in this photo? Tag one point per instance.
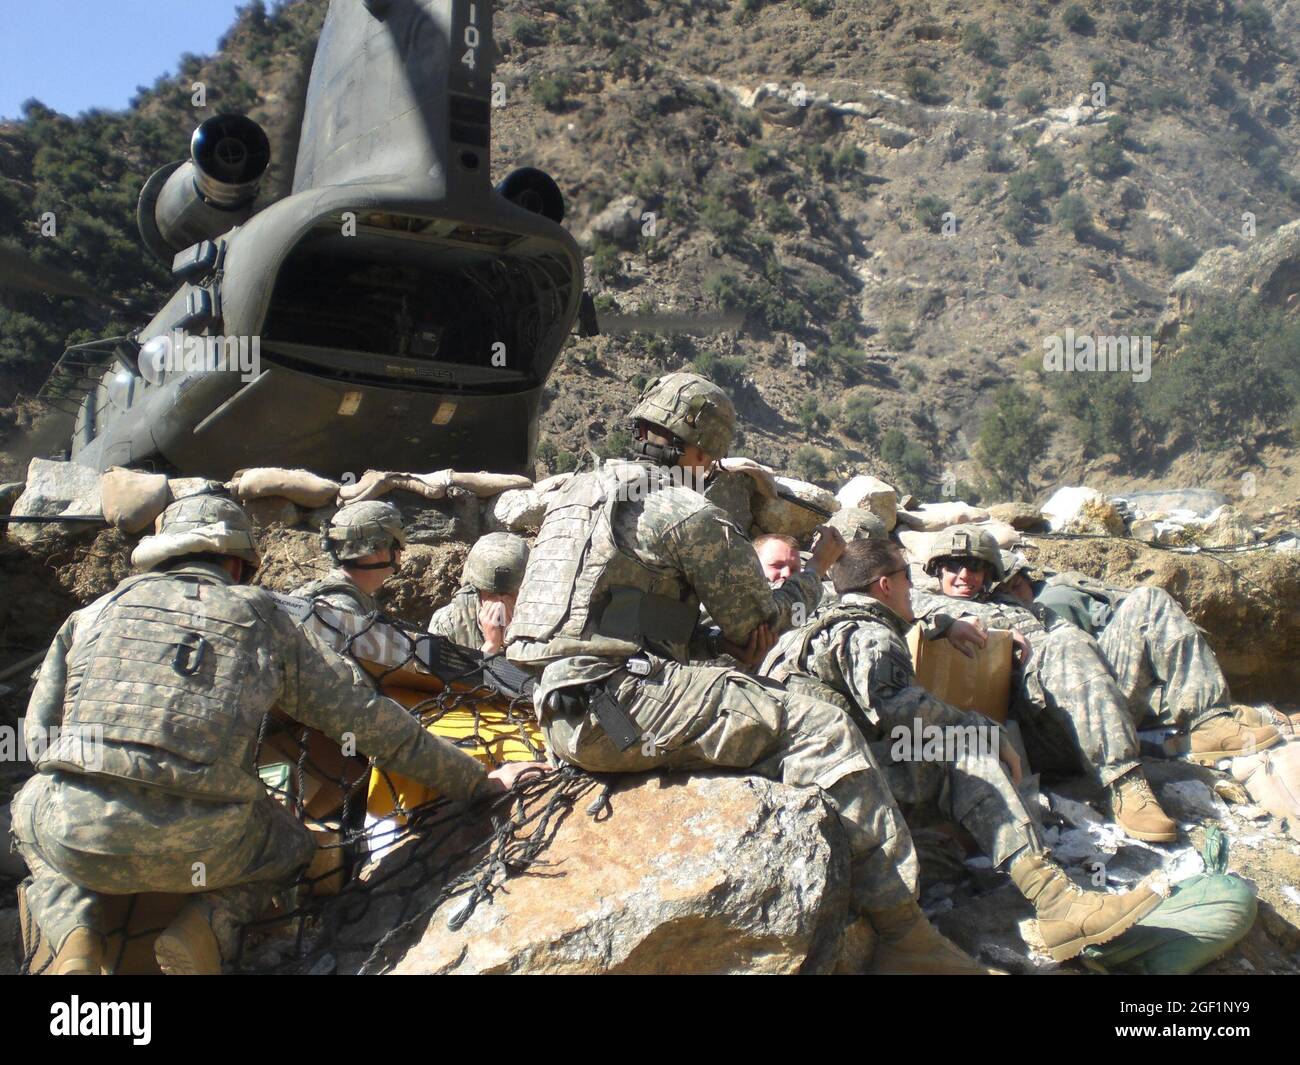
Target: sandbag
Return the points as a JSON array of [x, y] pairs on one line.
[[376, 483], [1272, 779], [763, 477], [131, 499], [300, 486], [1203, 918], [932, 517]]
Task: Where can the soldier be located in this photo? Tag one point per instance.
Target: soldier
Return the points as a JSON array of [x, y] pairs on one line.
[[1163, 663], [608, 618], [364, 541], [1071, 712], [482, 607], [779, 556], [856, 654], [853, 523], [171, 675]]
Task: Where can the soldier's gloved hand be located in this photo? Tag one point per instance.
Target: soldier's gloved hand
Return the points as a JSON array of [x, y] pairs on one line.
[[827, 547], [503, 779], [968, 636], [1008, 757], [493, 618], [1021, 649], [760, 641]]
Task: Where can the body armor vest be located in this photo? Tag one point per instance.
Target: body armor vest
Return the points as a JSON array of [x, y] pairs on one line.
[[161, 679], [583, 594]]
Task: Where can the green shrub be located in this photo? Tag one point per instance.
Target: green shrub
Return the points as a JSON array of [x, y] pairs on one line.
[[898, 335], [526, 30], [552, 92], [1177, 255], [858, 416], [1072, 213], [979, 42], [1029, 35], [605, 261], [1076, 19], [1030, 98], [1105, 159], [929, 211], [906, 458], [779, 217], [990, 93], [808, 463], [1017, 221], [924, 85], [1012, 436], [1256, 22]]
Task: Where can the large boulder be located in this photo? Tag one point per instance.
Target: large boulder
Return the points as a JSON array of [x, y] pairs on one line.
[[1267, 268], [1201, 502], [519, 510], [620, 223], [698, 874], [1078, 509], [54, 489], [873, 494], [783, 516]]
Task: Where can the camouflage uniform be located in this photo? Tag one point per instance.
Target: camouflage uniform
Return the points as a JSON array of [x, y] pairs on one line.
[[1072, 714], [458, 620], [1163, 663], [177, 671], [856, 654], [495, 565], [339, 590], [609, 611]]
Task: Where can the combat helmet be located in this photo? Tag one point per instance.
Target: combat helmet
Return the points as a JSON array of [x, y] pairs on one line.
[[198, 525], [496, 564], [858, 523], [965, 541], [1014, 562], [360, 529], [692, 409]]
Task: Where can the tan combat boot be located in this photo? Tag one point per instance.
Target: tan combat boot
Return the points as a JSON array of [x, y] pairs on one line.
[[1228, 736], [82, 954], [1070, 918], [907, 944], [188, 947], [1133, 805]]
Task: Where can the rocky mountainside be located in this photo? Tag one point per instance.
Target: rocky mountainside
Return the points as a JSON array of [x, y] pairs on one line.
[[904, 200]]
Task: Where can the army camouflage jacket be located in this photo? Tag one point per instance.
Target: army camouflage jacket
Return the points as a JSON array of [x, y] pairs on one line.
[[672, 540], [339, 590], [458, 620], [178, 670], [859, 649], [998, 611]]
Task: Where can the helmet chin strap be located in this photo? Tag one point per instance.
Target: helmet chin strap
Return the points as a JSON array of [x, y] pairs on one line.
[[390, 564]]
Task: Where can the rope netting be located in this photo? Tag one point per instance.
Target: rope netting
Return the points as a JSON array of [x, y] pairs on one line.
[[390, 853]]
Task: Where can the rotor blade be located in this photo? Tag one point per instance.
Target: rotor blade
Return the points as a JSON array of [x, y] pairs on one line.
[[19, 270], [699, 324]]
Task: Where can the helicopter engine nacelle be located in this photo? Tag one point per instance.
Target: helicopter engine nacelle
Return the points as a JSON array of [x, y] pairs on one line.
[[534, 190], [209, 193]]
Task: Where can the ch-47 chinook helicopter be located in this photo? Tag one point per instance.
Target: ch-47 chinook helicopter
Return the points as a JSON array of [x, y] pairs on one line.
[[395, 311]]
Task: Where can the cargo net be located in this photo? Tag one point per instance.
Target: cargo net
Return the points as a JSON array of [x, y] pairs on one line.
[[377, 881]]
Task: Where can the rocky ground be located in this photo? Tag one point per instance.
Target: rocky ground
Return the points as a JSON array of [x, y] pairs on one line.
[[677, 882]]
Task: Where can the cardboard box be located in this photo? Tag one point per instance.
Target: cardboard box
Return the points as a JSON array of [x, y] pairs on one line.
[[981, 683]]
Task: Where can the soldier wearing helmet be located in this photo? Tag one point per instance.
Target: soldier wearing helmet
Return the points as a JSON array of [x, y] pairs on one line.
[[159, 692], [482, 607], [364, 541], [609, 621], [1072, 713]]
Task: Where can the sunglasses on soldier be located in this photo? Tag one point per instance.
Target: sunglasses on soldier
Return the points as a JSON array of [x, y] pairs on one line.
[[956, 565]]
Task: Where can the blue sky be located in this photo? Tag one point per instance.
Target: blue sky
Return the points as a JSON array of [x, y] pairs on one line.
[[76, 54]]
